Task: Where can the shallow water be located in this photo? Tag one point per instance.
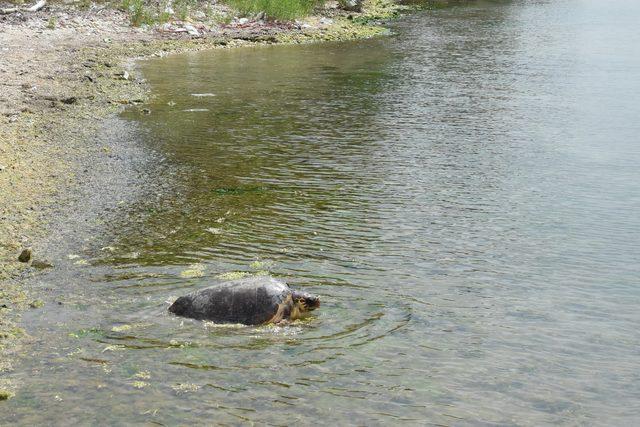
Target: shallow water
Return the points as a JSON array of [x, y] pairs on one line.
[[464, 197]]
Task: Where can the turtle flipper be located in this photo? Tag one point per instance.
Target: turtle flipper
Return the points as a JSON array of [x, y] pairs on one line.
[[284, 310]]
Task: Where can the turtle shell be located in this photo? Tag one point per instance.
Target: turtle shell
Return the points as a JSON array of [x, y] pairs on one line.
[[251, 301]]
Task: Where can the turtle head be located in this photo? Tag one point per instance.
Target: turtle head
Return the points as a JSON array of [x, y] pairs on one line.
[[180, 306], [296, 306], [303, 303]]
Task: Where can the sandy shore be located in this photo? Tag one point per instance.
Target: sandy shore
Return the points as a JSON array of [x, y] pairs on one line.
[[59, 82]]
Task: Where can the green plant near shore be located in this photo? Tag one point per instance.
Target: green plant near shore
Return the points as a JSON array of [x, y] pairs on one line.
[[183, 7], [138, 13], [279, 9], [219, 18], [141, 14]]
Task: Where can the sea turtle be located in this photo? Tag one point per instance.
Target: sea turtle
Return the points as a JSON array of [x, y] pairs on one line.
[[251, 301]]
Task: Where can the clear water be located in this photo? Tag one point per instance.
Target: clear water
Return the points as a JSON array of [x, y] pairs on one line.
[[464, 196]]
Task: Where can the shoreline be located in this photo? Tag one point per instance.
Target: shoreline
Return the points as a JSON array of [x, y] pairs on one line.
[[60, 85]]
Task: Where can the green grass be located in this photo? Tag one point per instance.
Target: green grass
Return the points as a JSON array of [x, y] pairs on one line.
[[278, 9], [183, 7], [141, 14]]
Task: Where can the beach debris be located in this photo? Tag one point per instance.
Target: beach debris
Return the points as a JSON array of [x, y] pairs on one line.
[[122, 75], [192, 31], [36, 7]]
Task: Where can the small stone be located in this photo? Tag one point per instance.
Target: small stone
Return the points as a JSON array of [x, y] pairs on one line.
[[352, 5], [36, 304], [2, 167], [146, 111], [124, 75], [41, 264], [243, 21], [25, 255], [200, 15]]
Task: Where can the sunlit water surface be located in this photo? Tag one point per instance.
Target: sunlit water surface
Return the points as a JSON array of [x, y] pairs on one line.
[[463, 195]]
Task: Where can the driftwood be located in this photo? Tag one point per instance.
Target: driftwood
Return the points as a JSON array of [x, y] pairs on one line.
[[36, 7]]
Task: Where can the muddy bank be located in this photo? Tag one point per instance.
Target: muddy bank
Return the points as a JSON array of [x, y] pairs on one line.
[[63, 73]]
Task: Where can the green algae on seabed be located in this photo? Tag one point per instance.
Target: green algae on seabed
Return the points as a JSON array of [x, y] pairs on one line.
[[36, 304], [139, 384], [341, 30], [194, 270], [237, 191], [235, 275], [5, 395], [376, 10], [90, 332]]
